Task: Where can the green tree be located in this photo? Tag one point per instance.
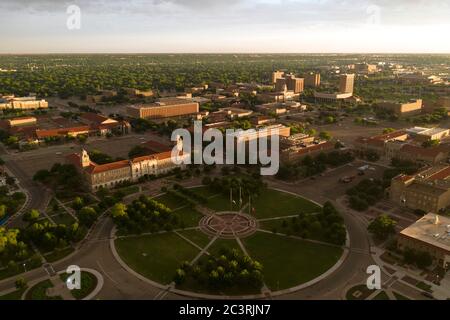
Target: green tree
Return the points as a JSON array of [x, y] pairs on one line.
[[423, 259], [388, 130], [137, 151], [32, 215], [119, 211], [2, 211], [87, 216], [325, 135], [20, 283], [431, 143], [77, 203], [382, 227], [82, 138]]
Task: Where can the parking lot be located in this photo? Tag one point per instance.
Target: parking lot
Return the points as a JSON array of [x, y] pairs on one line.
[[44, 157]]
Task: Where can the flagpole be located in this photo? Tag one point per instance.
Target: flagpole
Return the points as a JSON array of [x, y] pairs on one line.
[[240, 198]]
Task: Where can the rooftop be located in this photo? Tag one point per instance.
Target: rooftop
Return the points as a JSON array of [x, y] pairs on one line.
[[432, 229], [164, 102]]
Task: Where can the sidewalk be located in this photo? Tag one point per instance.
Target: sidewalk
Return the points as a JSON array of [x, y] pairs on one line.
[[441, 292]]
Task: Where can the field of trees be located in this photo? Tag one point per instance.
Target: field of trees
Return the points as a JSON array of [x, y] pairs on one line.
[[79, 75]]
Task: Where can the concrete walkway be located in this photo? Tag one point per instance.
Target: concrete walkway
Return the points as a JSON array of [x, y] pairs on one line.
[[441, 292]]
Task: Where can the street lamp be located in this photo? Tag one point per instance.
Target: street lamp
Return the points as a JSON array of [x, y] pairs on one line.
[[25, 267]]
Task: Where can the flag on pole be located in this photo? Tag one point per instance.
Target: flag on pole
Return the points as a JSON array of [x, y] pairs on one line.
[[240, 196]]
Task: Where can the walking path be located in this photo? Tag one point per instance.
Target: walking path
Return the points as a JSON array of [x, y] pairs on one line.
[[440, 292]]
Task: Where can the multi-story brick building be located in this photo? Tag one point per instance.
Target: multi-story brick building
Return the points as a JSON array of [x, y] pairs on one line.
[[312, 80], [431, 234], [166, 108], [411, 108], [428, 190], [22, 103], [111, 174]]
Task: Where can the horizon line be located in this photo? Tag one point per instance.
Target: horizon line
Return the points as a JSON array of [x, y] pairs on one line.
[[222, 53]]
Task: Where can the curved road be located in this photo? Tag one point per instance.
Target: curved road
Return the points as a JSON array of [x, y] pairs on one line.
[[95, 253]]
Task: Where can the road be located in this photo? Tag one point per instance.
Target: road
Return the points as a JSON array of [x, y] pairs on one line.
[[96, 253]]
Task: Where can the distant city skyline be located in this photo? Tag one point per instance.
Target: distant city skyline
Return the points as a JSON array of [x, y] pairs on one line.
[[233, 26]]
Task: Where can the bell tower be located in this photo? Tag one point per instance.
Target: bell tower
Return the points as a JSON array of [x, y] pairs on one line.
[[85, 160]]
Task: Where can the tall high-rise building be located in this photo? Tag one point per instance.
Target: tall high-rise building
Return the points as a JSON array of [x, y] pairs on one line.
[[346, 83], [281, 85], [295, 84], [277, 75], [312, 80]]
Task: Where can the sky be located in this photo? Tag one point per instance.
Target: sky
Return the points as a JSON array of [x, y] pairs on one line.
[[224, 26]]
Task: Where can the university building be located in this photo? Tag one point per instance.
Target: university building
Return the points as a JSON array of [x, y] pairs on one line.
[[431, 234], [410, 108], [22, 103], [407, 145], [111, 174], [165, 108], [428, 190]]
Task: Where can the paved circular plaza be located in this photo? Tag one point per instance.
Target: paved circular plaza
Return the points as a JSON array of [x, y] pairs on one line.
[[228, 225]]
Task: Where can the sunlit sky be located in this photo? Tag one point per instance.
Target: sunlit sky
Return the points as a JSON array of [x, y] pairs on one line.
[[288, 26]]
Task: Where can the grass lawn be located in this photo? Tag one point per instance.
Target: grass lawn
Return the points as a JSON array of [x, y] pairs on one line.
[[196, 236], [128, 190], [38, 292], [223, 244], [88, 284], [58, 254], [399, 296], [63, 218], [189, 217], [381, 296], [424, 286], [364, 292], [285, 226], [156, 256], [15, 295], [221, 202], [205, 191], [170, 201], [289, 262], [6, 272], [272, 203]]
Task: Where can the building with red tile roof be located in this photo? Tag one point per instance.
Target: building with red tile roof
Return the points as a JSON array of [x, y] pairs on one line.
[[428, 190], [111, 174]]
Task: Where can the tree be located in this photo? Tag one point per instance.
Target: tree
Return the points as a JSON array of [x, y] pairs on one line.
[[11, 140], [2, 211], [119, 211], [77, 203], [382, 227], [32, 215], [87, 216], [137, 151], [42, 175], [180, 276], [423, 259], [82, 138], [431, 143], [20, 283], [325, 135]]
